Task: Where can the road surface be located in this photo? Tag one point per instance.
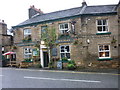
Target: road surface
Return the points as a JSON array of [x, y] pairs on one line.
[[34, 78]]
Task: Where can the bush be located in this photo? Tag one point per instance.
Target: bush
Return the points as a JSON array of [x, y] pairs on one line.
[[64, 59], [28, 60], [51, 64], [71, 62], [71, 66]]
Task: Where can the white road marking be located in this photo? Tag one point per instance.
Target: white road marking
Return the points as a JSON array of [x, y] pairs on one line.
[[1, 75], [72, 80]]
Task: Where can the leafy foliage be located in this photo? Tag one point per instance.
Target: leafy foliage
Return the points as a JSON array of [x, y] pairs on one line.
[[64, 59], [51, 64], [49, 36], [71, 62], [71, 65]]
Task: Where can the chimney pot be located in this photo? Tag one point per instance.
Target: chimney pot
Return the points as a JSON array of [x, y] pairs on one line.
[[3, 21], [84, 3]]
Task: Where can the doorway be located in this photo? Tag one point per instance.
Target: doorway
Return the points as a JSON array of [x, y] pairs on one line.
[[45, 59]]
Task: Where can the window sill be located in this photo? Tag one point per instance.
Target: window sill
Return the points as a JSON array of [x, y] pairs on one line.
[[104, 59], [26, 41], [103, 33]]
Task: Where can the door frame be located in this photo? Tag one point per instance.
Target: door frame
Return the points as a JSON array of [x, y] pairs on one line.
[[43, 49]]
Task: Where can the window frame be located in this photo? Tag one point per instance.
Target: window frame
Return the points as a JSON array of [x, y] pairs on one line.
[[102, 25], [104, 51], [27, 34], [28, 54], [65, 52], [62, 31], [45, 27]]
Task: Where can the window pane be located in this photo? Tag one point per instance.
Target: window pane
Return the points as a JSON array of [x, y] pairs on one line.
[[99, 28], [30, 56], [29, 31], [104, 22], [62, 55], [101, 48], [30, 51], [25, 31], [68, 55], [63, 31], [66, 25], [26, 56], [104, 28], [62, 49], [99, 22], [106, 47], [106, 54], [61, 26], [43, 31], [102, 54], [67, 48]]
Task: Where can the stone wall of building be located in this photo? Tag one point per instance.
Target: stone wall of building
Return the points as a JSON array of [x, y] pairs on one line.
[[82, 52], [118, 9], [5, 40]]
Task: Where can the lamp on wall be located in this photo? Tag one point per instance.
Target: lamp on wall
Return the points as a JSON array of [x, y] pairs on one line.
[[88, 41]]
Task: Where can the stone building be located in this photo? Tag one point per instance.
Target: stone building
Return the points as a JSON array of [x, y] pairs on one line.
[[87, 34], [5, 39]]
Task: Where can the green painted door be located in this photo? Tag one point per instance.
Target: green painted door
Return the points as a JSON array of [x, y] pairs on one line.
[[46, 59]]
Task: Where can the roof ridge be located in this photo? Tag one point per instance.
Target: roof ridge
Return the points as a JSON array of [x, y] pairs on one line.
[[102, 5]]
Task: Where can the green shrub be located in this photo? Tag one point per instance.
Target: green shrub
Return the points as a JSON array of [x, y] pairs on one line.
[[71, 62], [64, 59], [71, 66], [51, 64], [27, 59]]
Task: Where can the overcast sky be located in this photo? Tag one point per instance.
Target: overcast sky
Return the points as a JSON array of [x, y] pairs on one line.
[[16, 11]]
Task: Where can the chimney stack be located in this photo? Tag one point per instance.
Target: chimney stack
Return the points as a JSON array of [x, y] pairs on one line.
[[34, 11]]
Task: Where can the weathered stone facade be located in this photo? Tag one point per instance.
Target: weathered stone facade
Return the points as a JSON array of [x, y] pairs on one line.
[[5, 39], [85, 40]]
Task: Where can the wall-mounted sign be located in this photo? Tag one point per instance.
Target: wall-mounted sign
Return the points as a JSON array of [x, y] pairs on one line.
[[35, 52], [59, 65], [54, 52]]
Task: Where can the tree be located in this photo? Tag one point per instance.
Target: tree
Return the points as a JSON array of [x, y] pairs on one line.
[[49, 37]]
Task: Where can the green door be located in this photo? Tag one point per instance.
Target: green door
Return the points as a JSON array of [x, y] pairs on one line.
[[46, 59]]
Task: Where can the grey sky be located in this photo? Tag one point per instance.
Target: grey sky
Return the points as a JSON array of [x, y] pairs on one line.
[[16, 11]]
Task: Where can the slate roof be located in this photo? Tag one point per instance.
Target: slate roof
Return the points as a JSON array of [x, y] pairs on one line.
[[100, 9], [53, 16], [68, 13]]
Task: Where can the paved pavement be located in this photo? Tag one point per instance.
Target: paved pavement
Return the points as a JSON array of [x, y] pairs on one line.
[[34, 78]]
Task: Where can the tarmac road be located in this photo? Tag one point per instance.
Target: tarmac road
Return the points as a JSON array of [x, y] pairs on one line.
[[32, 78]]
